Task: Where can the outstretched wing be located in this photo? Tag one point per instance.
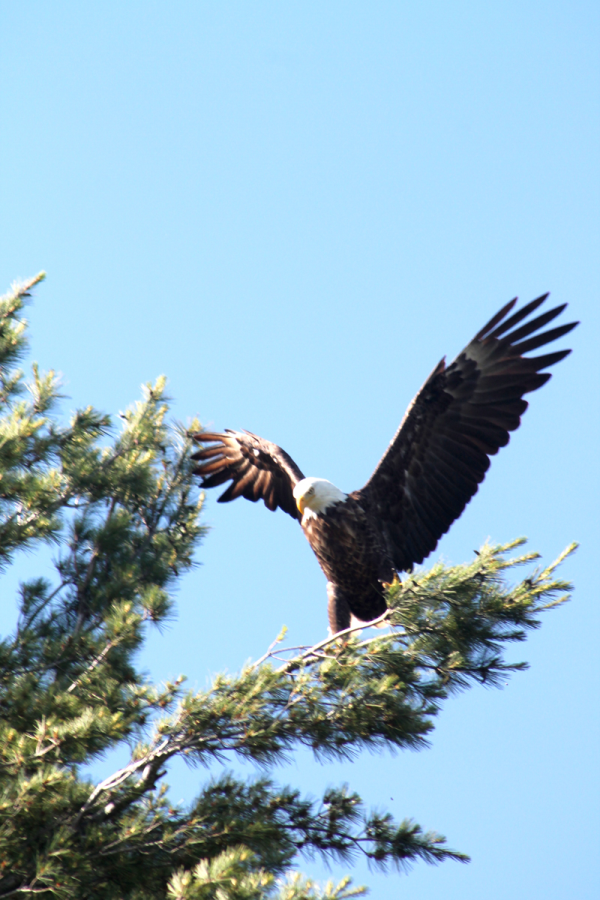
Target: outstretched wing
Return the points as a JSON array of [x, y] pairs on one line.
[[460, 417], [258, 469]]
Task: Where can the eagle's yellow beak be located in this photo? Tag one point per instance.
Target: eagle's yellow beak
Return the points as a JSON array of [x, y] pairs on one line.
[[300, 504]]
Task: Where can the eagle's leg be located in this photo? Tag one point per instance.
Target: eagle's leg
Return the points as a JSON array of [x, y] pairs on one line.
[[337, 608]]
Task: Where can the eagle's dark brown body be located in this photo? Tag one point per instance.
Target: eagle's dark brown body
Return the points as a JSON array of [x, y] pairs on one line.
[[354, 560], [433, 466]]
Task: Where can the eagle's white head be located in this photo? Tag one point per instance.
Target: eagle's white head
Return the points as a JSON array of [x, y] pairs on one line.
[[315, 495]]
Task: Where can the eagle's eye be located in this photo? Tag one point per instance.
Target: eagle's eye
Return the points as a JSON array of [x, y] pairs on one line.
[[311, 490]]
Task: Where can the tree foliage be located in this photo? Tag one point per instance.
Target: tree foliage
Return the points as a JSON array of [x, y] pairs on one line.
[[122, 512]]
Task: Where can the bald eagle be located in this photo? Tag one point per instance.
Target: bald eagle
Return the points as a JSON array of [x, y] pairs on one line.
[[431, 469]]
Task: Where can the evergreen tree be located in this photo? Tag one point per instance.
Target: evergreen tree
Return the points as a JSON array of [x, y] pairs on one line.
[[122, 512]]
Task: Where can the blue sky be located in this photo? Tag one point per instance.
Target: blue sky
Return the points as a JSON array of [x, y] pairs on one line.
[[293, 211]]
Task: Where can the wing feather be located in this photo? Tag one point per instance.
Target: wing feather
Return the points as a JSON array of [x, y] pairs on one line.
[[502, 312], [513, 320], [257, 469], [461, 416], [215, 480], [535, 324], [541, 339]]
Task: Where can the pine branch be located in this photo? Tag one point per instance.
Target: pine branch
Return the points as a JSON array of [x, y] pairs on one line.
[[318, 702]]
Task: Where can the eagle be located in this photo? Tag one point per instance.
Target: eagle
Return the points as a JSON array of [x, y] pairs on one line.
[[433, 466]]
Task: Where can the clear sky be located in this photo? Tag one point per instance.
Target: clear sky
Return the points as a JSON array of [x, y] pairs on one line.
[[293, 210]]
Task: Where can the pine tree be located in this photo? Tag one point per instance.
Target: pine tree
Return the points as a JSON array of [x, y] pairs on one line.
[[122, 512]]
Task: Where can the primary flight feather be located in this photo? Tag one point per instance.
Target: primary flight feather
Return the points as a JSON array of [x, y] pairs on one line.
[[461, 416]]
